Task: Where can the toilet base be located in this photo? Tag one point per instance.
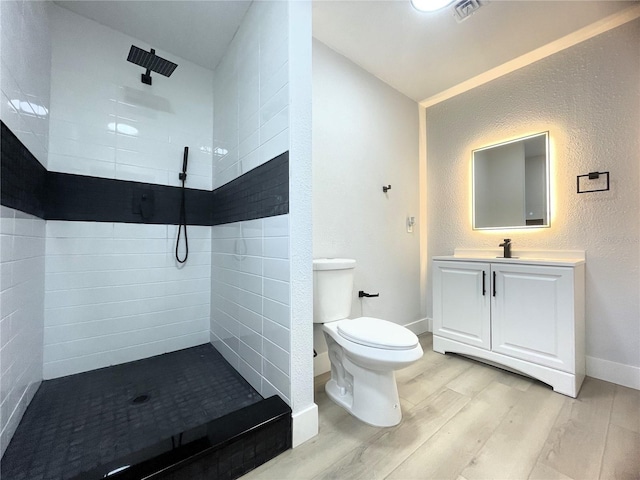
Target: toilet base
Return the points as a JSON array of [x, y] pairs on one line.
[[370, 396]]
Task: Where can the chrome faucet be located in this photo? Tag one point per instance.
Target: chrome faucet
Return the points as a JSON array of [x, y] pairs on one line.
[[507, 247]]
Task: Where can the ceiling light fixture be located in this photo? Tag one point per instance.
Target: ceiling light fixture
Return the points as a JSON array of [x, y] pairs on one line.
[[430, 5]]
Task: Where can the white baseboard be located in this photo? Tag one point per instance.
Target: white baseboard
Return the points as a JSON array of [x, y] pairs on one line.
[[321, 364], [420, 326], [619, 373], [304, 425]]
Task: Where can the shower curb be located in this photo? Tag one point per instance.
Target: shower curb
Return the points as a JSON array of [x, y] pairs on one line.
[[224, 448]]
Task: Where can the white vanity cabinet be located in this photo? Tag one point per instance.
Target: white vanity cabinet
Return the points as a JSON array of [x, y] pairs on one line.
[[526, 315]]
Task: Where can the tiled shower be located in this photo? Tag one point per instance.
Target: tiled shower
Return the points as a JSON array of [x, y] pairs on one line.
[[83, 294]]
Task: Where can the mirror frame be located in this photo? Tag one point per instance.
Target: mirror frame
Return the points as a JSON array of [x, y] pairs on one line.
[[547, 185]]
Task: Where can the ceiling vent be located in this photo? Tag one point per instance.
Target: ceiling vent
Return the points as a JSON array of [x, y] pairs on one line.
[[465, 8]]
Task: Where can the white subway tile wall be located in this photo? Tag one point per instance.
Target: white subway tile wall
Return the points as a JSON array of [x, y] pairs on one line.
[[25, 75], [251, 94], [106, 123], [22, 250], [250, 312], [115, 293]]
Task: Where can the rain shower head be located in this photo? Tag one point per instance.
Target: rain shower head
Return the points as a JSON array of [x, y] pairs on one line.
[[151, 62]]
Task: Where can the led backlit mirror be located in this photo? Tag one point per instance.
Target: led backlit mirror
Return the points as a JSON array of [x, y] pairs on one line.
[[511, 184]]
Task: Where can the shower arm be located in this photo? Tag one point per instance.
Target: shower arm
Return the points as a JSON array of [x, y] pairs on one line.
[[146, 77]]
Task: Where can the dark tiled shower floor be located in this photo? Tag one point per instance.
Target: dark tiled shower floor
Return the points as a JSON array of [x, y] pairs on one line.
[[78, 422]]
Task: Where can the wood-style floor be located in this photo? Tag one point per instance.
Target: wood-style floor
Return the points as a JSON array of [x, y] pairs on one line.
[[466, 420]]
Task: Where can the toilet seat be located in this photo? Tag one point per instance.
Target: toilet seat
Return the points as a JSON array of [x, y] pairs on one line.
[[377, 333]]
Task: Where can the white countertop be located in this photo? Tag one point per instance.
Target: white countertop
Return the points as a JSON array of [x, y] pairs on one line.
[[558, 258]]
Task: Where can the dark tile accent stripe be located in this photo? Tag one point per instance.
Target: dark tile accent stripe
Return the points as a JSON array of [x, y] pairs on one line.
[[94, 199], [261, 192], [27, 186], [23, 178], [225, 448]]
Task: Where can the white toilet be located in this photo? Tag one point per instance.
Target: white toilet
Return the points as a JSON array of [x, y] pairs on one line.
[[364, 352]]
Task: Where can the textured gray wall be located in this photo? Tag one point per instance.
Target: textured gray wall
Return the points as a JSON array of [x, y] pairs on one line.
[[588, 97], [365, 135]]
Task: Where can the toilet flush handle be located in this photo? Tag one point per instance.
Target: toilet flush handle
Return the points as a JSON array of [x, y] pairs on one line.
[[362, 293]]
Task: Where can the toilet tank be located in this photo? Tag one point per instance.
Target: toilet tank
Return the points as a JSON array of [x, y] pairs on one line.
[[332, 288]]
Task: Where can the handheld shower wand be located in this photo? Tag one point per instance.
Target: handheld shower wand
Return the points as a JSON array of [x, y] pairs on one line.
[[183, 175], [183, 211]]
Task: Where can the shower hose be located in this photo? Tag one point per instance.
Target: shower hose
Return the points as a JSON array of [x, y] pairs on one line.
[[183, 212]]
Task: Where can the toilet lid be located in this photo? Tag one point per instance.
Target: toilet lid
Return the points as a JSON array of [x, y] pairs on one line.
[[377, 333]]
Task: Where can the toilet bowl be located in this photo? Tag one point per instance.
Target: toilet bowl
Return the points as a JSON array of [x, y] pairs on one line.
[[364, 352]]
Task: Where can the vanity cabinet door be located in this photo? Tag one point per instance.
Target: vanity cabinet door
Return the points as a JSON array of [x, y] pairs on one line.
[[533, 314], [461, 302]]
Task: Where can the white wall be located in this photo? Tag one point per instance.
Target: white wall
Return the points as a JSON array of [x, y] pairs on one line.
[[21, 315], [97, 98], [114, 292], [251, 94], [261, 301], [250, 298], [250, 312], [305, 411], [365, 135], [26, 73], [588, 97], [25, 58]]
